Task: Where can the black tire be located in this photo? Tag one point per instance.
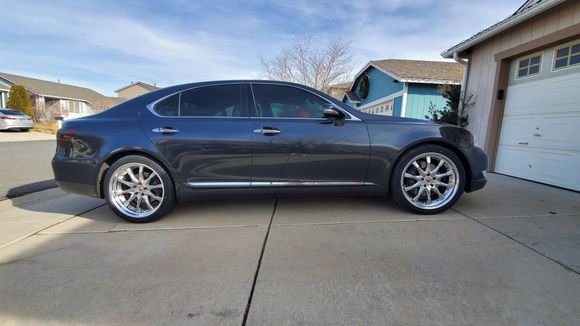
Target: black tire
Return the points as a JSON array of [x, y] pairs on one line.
[[25, 129], [169, 198], [404, 162]]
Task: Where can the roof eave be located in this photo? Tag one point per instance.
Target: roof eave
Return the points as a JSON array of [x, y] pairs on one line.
[[502, 26], [430, 81]]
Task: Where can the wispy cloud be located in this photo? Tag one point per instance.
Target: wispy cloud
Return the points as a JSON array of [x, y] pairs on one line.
[[106, 44]]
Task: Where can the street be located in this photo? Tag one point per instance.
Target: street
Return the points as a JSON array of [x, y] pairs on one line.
[[505, 255], [25, 162]]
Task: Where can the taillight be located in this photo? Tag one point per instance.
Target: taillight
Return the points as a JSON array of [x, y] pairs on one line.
[[7, 118], [66, 134]]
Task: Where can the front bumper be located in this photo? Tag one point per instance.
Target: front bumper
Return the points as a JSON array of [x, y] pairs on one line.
[[477, 160]]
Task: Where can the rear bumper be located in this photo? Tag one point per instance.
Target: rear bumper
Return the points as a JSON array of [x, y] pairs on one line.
[[75, 175], [477, 160]]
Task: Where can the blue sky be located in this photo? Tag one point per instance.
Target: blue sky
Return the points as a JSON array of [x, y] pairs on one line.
[[107, 44]]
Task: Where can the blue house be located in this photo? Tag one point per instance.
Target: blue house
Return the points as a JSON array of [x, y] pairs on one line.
[[401, 88]]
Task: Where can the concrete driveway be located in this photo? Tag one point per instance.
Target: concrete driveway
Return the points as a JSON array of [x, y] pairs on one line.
[[509, 254]]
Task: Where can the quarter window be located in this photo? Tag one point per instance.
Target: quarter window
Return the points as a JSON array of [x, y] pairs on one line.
[[567, 56], [529, 66], [287, 102]]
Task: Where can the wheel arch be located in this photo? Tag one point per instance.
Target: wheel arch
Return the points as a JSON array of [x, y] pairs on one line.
[[455, 150], [116, 155]]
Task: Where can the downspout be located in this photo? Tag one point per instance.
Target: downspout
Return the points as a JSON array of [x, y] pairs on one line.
[[465, 64]]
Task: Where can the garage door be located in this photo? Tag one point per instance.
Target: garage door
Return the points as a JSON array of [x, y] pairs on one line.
[[540, 132]]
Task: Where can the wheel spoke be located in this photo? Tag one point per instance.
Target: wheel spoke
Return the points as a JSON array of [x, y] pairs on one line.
[[132, 175], [446, 174], [443, 184], [421, 190], [141, 176], [153, 174], [416, 165], [138, 206], [146, 199], [428, 167], [152, 195], [439, 194], [436, 169], [128, 201], [126, 183], [155, 186], [415, 177], [120, 192], [415, 185], [428, 191]]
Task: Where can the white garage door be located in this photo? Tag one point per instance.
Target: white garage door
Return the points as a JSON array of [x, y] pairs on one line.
[[540, 132]]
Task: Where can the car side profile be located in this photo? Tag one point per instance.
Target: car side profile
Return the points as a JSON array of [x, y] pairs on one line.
[[230, 138], [15, 120]]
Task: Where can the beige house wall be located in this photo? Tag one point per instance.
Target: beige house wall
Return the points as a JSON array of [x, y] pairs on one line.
[[133, 91], [488, 63]]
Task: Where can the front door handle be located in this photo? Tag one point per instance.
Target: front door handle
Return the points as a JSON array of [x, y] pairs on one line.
[[267, 131], [165, 130]]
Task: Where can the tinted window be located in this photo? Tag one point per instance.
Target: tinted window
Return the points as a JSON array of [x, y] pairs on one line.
[[11, 112], [212, 101], [168, 107], [287, 102]]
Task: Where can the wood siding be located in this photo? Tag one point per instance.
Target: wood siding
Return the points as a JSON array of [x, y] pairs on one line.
[[484, 71]]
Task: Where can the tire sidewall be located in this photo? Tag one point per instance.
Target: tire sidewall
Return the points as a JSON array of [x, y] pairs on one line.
[[168, 192], [397, 191]]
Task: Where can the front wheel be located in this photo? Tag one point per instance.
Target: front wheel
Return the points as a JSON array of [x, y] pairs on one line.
[[138, 189], [428, 179]]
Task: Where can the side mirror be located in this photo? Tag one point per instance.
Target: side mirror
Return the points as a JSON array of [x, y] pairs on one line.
[[330, 112]]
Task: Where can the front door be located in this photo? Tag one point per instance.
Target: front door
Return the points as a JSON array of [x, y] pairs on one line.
[[294, 145], [205, 135]]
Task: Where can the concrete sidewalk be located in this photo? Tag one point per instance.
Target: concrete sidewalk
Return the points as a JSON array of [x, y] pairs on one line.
[[506, 255]]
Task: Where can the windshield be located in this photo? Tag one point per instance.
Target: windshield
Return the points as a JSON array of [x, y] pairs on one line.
[[10, 112]]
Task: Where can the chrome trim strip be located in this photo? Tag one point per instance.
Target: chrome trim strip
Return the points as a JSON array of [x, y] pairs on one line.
[[266, 184], [150, 106], [242, 184]]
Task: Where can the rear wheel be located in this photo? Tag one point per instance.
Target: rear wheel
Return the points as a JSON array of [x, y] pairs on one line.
[[428, 179], [25, 129], [138, 189]]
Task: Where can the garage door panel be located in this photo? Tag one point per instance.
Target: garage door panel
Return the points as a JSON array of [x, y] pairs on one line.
[[558, 132], [564, 94], [517, 129], [524, 99], [554, 167], [513, 160]]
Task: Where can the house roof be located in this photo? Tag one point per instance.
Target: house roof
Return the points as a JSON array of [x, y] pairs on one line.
[[529, 9], [337, 90], [146, 85], [418, 71], [54, 89]]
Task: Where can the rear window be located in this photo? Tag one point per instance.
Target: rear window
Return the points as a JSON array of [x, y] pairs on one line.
[[11, 112]]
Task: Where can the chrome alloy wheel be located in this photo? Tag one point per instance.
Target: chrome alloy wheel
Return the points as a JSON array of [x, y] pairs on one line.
[[136, 190], [430, 180]]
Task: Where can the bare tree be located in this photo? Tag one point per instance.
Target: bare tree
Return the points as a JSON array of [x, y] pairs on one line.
[[306, 63]]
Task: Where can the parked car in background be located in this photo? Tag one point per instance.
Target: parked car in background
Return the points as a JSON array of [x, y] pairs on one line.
[[259, 137], [15, 120]]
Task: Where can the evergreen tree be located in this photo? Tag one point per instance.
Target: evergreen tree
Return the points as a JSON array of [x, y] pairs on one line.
[[18, 100]]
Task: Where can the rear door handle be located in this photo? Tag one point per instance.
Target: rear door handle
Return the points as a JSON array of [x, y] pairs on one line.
[[267, 131], [165, 130]]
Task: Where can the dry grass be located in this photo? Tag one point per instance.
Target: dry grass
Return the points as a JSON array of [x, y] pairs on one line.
[[47, 127]]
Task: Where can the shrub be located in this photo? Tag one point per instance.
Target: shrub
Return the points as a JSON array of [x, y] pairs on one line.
[[18, 100], [453, 112]]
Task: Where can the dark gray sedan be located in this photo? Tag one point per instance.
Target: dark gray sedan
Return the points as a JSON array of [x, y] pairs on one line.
[[231, 138]]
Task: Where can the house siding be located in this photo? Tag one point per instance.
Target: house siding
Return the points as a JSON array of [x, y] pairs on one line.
[[380, 85], [397, 106], [483, 67], [419, 99]]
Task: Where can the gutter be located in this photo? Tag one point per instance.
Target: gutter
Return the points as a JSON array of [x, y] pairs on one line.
[[500, 27], [465, 64]]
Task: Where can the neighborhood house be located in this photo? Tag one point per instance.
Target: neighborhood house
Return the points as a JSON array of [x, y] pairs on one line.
[[51, 99], [402, 88], [524, 74]]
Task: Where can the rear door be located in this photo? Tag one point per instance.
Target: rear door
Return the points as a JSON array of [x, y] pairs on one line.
[[294, 145], [204, 133]]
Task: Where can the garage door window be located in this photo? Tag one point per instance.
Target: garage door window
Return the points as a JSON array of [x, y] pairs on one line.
[[529, 66], [567, 56]]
